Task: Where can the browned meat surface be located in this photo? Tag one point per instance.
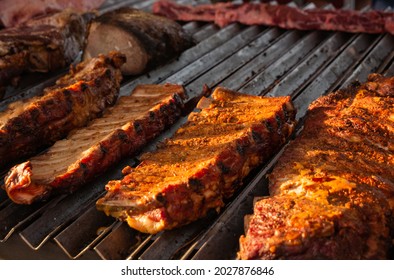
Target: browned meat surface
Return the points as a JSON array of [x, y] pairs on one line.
[[28, 125], [88, 152], [281, 16], [333, 188], [15, 12], [147, 40], [202, 164], [42, 44]]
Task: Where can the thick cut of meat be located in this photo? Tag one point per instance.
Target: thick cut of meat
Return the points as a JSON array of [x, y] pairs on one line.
[[147, 40], [281, 16], [88, 152], [202, 164], [28, 125], [333, 187], [15, 12], [40, 45]]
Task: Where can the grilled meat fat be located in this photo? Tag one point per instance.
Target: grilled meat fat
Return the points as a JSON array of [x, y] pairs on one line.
[[88, 152], [333, 187], [202, 164], [29, 125]]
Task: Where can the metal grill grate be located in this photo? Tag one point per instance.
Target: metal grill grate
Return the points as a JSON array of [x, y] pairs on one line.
[[255, 60]]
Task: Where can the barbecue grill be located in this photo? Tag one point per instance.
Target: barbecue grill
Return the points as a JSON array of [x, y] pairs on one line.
[[252, 59]]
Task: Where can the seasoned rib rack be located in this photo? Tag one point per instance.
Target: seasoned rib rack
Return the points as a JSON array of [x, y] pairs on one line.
[[202, 164], [28, 125], [88, 152], [333, 187]]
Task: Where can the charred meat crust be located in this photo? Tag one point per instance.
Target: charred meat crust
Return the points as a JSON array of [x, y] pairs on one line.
[[40, 45], [160, 37], [162, 106], [77, 98], [202, 164], [333, 188]]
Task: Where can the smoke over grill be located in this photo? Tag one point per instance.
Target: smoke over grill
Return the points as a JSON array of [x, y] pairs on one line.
[[250, 59]]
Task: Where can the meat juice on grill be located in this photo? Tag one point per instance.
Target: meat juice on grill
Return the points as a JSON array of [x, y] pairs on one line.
[[202, 164], [29, 125], [146, 39], [88, 152], [332, 190]]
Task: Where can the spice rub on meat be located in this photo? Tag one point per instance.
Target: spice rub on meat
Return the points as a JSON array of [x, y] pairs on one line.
[[332, 190], [202, 164], [28, 125], [88, 152]]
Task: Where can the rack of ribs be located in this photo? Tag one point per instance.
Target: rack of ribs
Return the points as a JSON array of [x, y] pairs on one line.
[[332, 190], [28, 125], [88, 152], [202, 164]]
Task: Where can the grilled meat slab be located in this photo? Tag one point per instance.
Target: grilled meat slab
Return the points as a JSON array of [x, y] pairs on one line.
[[281, 16], [147, 40], [88, 152], [202, 164], [29, 125], [332, 190], [42, 44]]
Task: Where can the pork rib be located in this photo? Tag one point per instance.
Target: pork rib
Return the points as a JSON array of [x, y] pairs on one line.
[[202, 164], [29, 125], [42, 44], [88, 152], [333, 187], [281, 16]]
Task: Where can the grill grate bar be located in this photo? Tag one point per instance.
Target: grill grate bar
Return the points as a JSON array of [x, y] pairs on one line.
[[171, 244], [333, 72], [259, 51], [211, 59], [14, 216], [120, 243], [188, 57], [84, 232], [51, 222], [390, 70], [381, 52], [307, 70], [275, 70]]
